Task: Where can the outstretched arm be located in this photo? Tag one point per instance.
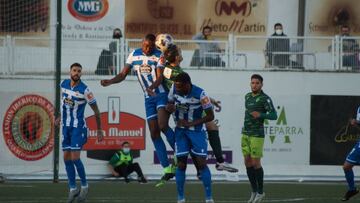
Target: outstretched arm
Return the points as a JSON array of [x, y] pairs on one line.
[[118, 78]]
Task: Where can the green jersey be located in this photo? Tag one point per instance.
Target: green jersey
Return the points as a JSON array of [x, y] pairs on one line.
[[170, 73], [261, 103], [120, 158]]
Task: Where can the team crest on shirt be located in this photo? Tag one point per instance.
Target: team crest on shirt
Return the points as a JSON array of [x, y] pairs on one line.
[[69, 102], [28, 127]]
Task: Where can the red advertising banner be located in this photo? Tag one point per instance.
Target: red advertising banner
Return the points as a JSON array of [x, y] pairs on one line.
[[127, 127]]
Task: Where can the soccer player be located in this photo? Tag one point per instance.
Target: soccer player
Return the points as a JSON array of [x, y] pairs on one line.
[[258, 107], [353, 158], [166, 74], [75, 95], [188, 101], [144, 60]]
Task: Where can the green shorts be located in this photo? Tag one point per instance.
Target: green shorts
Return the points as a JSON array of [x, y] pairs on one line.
[[252, 146]]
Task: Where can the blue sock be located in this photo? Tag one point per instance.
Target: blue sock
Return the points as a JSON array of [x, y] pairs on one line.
[[180, 182], [161, 152], [170, 137], [81, 171], [70, 172], [206, 179], [349, 175]]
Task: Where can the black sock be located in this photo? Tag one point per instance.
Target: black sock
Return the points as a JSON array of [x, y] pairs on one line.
[[259, 174], [251, 175], [215, 144]]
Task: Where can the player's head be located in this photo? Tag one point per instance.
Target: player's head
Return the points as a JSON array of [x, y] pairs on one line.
[[173, 54], [206, 31], [117, 33], [345, 30], [125, 147], [278, 28], [148, 44], [75, 72], [256, 83], [182, 83]]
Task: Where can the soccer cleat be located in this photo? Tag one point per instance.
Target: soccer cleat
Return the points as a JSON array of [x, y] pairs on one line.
[[169, 173], [142, 180], [83, 194], [252, 197], [349, 194], [72, 195], [181, 201], [209, 201], [259, 197], [225, 167]]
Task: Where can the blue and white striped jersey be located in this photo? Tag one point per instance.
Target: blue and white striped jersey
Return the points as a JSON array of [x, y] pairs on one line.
[[74, 100], [190, 107], [145, 67]]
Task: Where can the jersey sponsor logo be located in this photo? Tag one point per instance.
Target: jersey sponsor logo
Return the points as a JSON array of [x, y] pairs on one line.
[[145, 69], [118, 127], [28, 127], [88, 10]]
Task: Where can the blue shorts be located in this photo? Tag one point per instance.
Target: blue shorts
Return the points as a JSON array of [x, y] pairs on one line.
[[354, 155], [152, 104], [190, 140], [73, 138]]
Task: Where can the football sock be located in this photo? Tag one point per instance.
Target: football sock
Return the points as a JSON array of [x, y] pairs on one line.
[[259, 175], [206, 179], [81, 171], [170, 137], [161, 153], [215, 144], [349, 175], [70, 172], [251, 175], [180, 182]]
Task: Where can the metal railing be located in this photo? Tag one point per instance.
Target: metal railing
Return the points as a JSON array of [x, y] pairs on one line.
[[300, 53], [21, 55]]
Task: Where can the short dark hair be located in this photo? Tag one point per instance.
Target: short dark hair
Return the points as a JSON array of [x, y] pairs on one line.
[[150, 37], [115, 31], [277, 24], [76, 64], [257, 76], [124, 143], [207, 27], [183, 78], [171, 53]]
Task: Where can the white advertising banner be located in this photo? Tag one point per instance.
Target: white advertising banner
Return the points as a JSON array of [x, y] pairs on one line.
[[287, 140], [91, 20]]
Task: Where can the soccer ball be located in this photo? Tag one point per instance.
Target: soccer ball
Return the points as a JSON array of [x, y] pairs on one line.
[[163, 41]]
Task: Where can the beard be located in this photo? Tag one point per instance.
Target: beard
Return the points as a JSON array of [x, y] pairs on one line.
[[75, 78]]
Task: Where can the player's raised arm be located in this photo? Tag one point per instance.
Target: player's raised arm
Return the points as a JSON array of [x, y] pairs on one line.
[[118, 78]]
